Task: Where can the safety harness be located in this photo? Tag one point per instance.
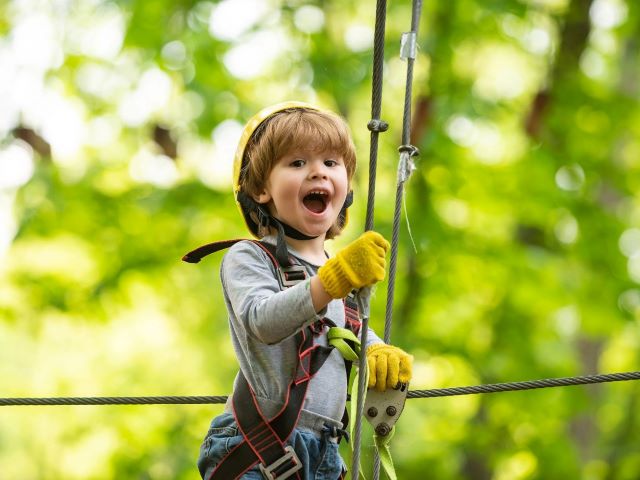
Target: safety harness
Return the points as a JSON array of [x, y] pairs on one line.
[[265, 439]]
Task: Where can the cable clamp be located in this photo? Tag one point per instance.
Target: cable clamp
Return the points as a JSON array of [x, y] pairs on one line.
[[406, 166], [377, 125], [408, 45], [410, 149]]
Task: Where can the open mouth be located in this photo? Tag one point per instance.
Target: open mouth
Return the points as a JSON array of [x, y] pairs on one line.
[[315, 201]]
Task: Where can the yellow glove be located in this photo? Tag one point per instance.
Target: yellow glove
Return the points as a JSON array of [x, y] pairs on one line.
[[388, 366], [359, 264]]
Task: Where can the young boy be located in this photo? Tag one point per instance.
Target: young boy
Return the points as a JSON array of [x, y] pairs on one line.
[[293, 170]]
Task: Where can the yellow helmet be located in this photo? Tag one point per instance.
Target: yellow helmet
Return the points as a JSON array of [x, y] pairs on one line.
[[244, 204]]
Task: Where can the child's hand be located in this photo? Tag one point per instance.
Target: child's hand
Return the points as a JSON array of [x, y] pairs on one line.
[[359, 264], [388, 366]]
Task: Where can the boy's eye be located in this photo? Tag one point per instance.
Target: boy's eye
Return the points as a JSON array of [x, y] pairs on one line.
[[330, 163], [297, 163]]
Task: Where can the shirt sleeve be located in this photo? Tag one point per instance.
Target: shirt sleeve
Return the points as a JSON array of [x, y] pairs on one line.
[[266, 312]]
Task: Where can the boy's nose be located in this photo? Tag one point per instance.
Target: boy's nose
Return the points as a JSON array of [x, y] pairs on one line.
[[318, 172]]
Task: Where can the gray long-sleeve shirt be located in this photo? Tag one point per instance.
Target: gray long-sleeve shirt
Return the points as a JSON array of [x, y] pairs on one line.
[[263, 320]]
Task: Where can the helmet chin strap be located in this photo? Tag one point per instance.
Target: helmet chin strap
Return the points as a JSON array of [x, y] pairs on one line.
[[265, 219]]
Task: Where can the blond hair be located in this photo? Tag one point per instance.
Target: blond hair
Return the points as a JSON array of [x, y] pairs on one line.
[[289, 130]]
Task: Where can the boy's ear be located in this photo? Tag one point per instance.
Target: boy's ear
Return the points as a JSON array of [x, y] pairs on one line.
[[263, 197]]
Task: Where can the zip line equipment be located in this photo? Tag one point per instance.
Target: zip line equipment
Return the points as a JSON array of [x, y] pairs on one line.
[[432, 393], [264, 441], [279, 462]]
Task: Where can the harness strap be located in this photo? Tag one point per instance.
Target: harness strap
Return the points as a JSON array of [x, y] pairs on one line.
[[352, 316], [289, 271], [340, 339], [194, 256], [264, 441]]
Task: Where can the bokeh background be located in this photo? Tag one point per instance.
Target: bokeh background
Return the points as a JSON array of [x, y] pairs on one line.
[[118, 122]]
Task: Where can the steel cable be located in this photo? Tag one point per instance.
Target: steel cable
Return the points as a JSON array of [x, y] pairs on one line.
[[432, 393], [524, 385], [376, 126], [113, 400], [404, 170]]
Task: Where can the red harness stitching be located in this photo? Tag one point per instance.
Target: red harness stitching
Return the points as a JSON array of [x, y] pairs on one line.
[[261, 439]]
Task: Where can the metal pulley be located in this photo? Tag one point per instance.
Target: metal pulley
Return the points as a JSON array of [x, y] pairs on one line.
[[382, 409]]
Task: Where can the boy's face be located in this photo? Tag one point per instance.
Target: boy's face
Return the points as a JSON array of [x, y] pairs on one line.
[[306, 189]]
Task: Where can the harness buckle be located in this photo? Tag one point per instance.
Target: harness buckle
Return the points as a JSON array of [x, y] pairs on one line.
[[292, 275], [270, 472]]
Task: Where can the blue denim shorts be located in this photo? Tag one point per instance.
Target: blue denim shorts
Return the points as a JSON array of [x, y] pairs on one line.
[[319, 455]]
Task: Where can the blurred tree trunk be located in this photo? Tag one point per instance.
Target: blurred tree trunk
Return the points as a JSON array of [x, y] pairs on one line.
[[573, 41]]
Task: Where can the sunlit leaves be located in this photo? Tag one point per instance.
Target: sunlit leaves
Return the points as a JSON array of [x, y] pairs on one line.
[[524, 210]]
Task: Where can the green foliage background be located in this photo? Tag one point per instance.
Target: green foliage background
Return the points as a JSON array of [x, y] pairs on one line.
[[524, 210]]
